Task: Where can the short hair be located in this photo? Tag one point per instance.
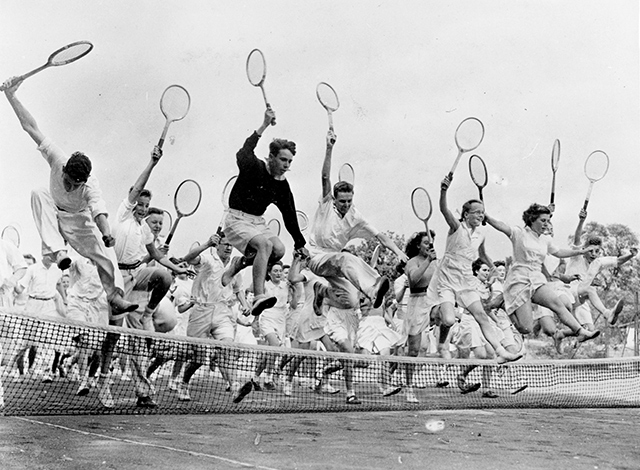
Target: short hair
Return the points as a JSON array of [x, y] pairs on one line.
[[144, 192], [499, 263], [155, 210], [78, 167], [281, 144], [466, 207], [342, 187], [476, 265], [593, 240], [534, 211], [413, 245]]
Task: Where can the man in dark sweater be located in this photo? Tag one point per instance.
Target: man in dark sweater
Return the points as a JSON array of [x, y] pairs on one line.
[[260, 184]]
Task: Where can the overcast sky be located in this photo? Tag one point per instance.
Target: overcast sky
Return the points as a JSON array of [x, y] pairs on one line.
[[406, 73]]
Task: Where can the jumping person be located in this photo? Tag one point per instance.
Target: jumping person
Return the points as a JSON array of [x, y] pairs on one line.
[[72, 210], [525, 283], [260, 184]]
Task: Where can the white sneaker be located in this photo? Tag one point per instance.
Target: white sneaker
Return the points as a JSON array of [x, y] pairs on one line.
[[126, 377], [234, 388], [183, 392], [410, 396], [47, 378], [390, 390], [83, 389], [327, 388], [287, 388], [93, 382], [104, 395]]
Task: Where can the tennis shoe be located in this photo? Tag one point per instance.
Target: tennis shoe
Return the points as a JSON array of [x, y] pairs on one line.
[[84, 388], [47, 378], [261, 303], [244, 391], [391, 390], [146, 402], [465, 387], [287, 388], [62, 260], [614, 313], [327, 388], [269, 386], [104, 395], [173, 384], [353, 400], [410, 396], [489, 394], [585, 335], [380, 288]]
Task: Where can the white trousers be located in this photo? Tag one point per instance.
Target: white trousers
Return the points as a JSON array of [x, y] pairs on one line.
[[81, 232]]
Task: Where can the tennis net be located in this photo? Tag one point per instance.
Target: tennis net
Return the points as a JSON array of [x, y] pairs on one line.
[[227, 366]]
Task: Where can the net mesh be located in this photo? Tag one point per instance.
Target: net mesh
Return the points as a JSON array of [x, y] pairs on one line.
[[70, 53], [566, 383]]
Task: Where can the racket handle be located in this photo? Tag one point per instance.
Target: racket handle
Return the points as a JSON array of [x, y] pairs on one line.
[[23, 77], [584, 206], [273, 120], [219, 232]]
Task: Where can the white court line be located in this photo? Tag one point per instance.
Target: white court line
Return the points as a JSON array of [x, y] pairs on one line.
[[146, 444]]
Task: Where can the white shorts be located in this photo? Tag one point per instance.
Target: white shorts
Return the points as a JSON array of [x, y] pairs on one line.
[[469, 335], [94, 311], [272, 321], [342, 325], [375, 336], [240, 228], [416, 319]]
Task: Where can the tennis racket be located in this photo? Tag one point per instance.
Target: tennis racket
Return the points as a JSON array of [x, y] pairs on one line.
[[226, 192], [174, 104], [478, 172], [422, 208], [12, 235], [468, 136], [167, 223], [186, 201], [595, 168], [328, 99], [63, 56], [257, 72], [555, 160], [347, 173], [274, 227], [375, 257], [303, 220]]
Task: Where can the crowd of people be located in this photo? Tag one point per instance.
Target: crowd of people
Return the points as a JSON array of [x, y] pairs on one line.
[[117, 271]]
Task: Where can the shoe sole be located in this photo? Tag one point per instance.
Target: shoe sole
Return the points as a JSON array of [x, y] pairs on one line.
[[262, 306], [616, 311], [243, 392], [470, 388], [519, 389], [392, 392], [83, 392]]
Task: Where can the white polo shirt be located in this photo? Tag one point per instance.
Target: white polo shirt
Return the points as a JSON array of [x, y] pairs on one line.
[[132, 237]]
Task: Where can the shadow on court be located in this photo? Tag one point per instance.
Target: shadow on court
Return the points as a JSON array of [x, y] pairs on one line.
[[474, 439]]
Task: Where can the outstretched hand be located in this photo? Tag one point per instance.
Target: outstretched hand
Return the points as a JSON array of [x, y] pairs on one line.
[[156, 154], [11, 84], [582, 214], [331, 138], [446, 182], [109, 241]]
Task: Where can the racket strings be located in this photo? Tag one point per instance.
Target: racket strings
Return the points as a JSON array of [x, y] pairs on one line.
[[478, 171], [70, 54], [167, 223], [303, 220], [555, 155], [469, 134], [175, 102], [327, 96], [421, 203], [596, 166], [347, 174], [274, 227], [256, 67], [10, 234], [188, 196]]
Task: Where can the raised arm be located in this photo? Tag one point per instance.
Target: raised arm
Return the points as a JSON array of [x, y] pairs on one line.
[[269, 117], [141, 182], [193, 256], [27, 121], [388, 243], [294, 275], [326, 165], [498, 225], [444, 207], [582, 216]]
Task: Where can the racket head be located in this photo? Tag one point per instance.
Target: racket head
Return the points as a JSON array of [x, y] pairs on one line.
[[555, 156], [70, 53], [469, 134], [347, 173], [596, 166], [11, 235], [167, 223], [226, 191], [421, 204], [274, 227], [327, 96], [303, 220], [256, 67], [478, 171], [375, 257], [175, 102], [187, 198]]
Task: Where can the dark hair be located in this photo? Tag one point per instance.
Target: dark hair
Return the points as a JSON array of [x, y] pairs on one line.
[[476, 265], [155, 210], [466, 207], [270, 267], [413, 245], [593, 240], [78, 167], [281, 144], [534, 211], [144, 192], [342, 187], [499, 263]]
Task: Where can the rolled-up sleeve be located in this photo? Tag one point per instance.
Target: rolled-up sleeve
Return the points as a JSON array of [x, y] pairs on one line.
[[94, 198]]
